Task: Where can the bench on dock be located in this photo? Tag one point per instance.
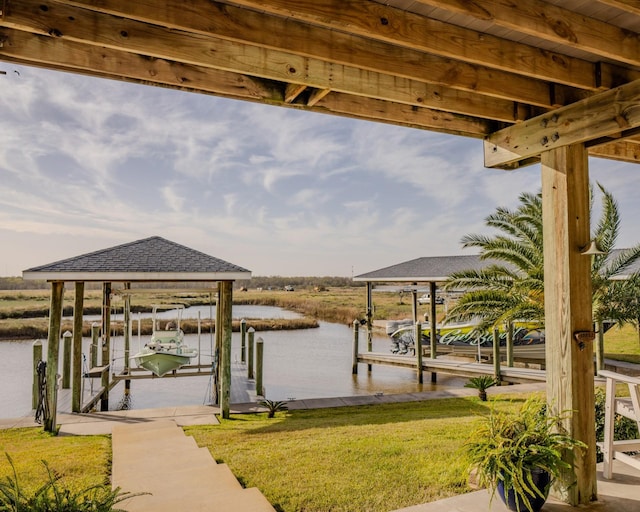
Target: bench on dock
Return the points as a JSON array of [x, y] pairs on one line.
[[629, 407], [97, 371]]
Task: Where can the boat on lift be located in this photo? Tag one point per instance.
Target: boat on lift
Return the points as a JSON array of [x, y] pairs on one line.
[[166, 351]]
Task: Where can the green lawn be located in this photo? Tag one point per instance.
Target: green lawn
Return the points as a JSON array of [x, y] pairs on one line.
[[622, 343], [366, 458]]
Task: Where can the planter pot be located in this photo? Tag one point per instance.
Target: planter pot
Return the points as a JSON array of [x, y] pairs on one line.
[[541, 480]]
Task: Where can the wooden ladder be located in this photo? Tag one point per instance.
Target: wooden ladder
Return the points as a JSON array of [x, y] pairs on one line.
[[629, 407]]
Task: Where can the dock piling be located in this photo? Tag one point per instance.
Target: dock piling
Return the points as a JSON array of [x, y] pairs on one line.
[[259, 359], [250, 337], [356, 334], [243, 339], [37, 357], [66, 360], [418, 342]]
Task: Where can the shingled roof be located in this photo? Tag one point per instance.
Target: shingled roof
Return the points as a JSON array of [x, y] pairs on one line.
[[426, 269], [438, 268], [150, 259]]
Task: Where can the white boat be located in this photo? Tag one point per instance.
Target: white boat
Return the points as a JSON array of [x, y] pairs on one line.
[[166, 350]]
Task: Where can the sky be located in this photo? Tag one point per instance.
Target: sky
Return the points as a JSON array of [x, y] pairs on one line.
[[88, 163]]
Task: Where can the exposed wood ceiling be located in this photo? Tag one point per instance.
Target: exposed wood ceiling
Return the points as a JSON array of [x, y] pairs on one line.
[[478, 68]]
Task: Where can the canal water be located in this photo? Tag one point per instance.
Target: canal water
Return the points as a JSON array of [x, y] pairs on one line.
[[298, 364]]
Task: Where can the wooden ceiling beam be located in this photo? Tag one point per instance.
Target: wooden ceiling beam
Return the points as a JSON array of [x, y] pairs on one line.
[[260, 29], [402, 28], [93, 28], [624, 151], [552, 23], [20, 47], [610, 113], [630, 6]]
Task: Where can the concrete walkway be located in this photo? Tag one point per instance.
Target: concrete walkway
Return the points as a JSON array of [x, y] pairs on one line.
[[157, 457]]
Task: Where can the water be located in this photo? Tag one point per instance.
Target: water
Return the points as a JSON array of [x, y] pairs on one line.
[[308, 363]]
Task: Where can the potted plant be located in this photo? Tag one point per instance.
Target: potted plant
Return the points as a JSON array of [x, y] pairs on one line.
[[481, 383], [519, 455]]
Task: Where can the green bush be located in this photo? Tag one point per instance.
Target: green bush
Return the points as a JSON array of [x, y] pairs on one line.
[[53, 497]]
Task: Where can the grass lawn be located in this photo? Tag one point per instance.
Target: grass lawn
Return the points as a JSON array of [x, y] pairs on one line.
[[366, 458], [622, 343]]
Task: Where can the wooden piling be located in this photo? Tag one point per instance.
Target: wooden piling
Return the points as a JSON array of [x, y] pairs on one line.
[[95, 337], [37, 357], [53, 350], [66, 360], [243, 339], [496, 355], [250, 341], [127, 336], [78, 307], [510, 344], [106, 342], [259, 360], [599, 346], [369, 320], [418, 343], [356, 330], [225, 295]]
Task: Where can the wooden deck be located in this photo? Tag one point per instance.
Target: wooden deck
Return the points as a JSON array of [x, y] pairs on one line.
[[453, 367]]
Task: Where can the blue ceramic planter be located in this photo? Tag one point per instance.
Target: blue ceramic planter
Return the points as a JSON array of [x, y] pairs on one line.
[[541, 479]]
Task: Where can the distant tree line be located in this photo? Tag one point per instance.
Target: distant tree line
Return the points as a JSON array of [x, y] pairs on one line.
[[275, 282]]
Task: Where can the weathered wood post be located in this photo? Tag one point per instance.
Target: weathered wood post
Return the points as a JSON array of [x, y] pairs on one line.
[[434, 328], [78, 306], [66, 359], [250, 341], [106, 343], [259, 361], [243, 339], [418, 344], [510, 344], [225, 291], [414, 302], [53, 351], [127, 336], [369, 321], [356, 330], [95, 338], [37, 357], [218, 345], [496, 355], [568, 306]]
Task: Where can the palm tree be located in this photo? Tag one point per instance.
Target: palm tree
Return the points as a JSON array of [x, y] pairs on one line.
[[512, 288]]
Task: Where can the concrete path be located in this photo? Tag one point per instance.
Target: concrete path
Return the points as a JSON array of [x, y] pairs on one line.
[[157, 457]]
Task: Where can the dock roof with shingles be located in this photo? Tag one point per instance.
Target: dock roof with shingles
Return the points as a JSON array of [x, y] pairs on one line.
[[438, 268], [426, 269], [150, 259]]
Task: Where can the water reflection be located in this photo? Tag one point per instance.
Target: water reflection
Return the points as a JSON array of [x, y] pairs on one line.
[[309, 363]]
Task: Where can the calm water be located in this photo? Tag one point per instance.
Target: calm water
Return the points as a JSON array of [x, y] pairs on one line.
[[309, 363]]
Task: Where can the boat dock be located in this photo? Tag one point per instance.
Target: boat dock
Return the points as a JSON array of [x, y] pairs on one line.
[[463, 368]]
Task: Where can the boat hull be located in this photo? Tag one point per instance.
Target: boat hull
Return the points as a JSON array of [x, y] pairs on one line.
[[161, 363]]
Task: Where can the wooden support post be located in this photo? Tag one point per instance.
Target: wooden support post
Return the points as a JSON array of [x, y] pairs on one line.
[[434, 328], [95, 339], [218, 342], [37, 357], [127, 336], [414, 302], [106, 342], [496, 355], [66, 359], [418, 344], [53, 350], [251, 332], [78, 307], [224, 305], [369, 321], [259, 366], [356, 335], [510, 344], [243, 339], [567, 301]]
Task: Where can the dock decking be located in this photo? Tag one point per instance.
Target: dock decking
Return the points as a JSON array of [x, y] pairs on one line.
[[453, 367]]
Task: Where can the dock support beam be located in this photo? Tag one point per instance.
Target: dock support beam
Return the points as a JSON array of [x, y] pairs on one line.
[[369, 320], [356, 334], [418, 338], [496, 356], [78, 307], [434, 327], [567, 287], [127, 336], [251, 332], [106, 341], [259, 366], [37, 357], [225, 300], [53, 351], [243, 340]]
